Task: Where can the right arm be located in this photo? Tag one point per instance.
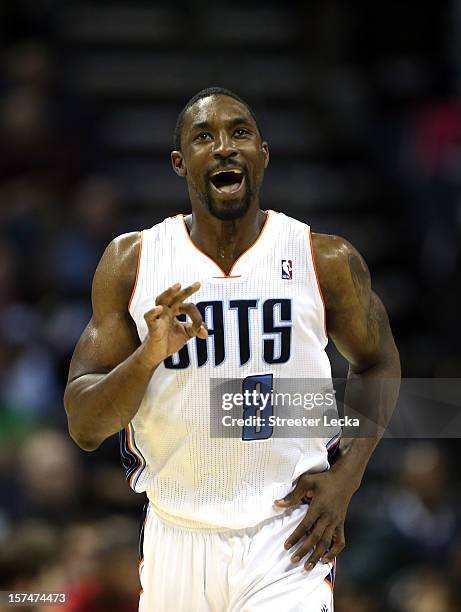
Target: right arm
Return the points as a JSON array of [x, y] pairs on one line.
[[110, 368]]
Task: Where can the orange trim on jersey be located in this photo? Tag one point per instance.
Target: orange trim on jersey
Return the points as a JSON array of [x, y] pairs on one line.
[[136, 454], [318, 283], [329, 583], [224, 277], [335, 443], [229, 275], [137, 271], [332, 570]]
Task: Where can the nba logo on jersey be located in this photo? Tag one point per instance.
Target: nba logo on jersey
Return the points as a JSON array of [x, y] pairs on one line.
[[287, 270]]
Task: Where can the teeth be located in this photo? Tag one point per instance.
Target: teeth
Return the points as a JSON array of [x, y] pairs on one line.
[[226, 171]]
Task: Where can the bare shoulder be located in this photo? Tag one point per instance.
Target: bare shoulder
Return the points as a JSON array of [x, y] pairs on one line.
[[340, 267], [115, 275]]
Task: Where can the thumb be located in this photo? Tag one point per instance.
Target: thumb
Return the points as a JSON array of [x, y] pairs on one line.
[[151, 316], [303, 488]]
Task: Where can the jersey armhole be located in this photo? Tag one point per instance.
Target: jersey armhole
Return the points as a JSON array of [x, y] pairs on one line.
[[132, 301], [319, 288]]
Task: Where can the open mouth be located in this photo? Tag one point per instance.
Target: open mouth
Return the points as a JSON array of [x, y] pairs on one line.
[[228, 181]]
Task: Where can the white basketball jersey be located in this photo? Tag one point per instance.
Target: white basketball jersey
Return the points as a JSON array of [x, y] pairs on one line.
[[265, 317]]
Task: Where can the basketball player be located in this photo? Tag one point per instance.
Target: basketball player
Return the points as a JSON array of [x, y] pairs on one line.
[[226, 529]]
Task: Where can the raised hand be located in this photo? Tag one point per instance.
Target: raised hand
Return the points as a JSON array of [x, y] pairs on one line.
[[166, 335]]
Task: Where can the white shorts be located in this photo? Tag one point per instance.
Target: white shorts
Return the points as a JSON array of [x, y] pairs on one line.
[[245, 570]]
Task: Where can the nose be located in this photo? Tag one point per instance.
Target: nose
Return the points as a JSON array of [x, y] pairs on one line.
[[224, 146]]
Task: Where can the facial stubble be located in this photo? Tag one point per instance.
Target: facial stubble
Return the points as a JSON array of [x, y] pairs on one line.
[[227, 211]]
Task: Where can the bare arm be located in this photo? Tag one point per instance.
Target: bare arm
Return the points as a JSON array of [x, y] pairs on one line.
[[110, 368], [108, 344], [358, 325]]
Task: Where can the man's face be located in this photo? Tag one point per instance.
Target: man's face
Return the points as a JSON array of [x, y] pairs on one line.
[[222, 156]]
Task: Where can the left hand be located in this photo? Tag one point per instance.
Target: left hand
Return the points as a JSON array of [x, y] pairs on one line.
[[324, 521]]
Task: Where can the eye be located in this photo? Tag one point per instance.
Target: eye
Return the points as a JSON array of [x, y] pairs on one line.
[[241, 132], [203, 136]]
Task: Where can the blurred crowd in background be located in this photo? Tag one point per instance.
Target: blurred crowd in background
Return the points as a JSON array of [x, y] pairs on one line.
[[361, 106]]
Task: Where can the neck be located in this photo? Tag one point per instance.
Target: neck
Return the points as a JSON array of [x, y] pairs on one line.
[[225, 241]]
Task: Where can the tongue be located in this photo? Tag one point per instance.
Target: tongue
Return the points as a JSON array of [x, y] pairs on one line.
[[230, 188]]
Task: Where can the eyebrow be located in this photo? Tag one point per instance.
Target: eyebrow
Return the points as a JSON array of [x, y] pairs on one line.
[[233, 122]]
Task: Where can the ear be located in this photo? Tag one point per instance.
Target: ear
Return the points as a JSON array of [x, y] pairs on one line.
[[265, 150], [177, 161]]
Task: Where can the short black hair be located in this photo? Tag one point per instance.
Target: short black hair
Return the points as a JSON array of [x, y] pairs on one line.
[[205, 93]]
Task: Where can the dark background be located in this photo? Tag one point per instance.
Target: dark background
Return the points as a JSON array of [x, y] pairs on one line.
[[360, 103]]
